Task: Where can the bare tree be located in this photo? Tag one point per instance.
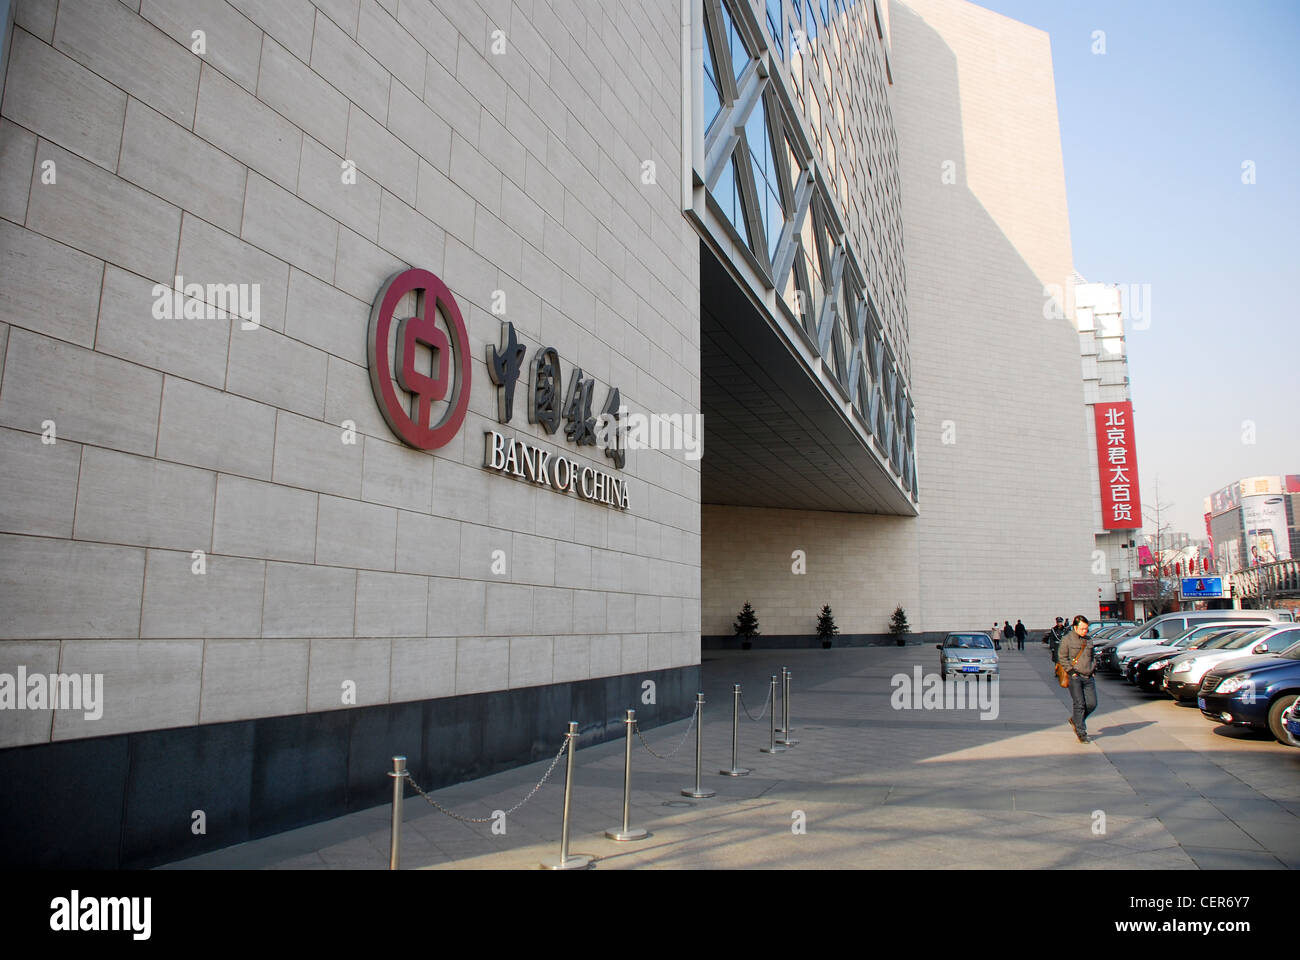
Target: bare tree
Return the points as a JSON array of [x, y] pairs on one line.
[[1166, 587]]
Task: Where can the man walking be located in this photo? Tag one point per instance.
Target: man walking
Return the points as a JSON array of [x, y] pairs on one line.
[[1075, 654], [1020, 635], [1007, 633]]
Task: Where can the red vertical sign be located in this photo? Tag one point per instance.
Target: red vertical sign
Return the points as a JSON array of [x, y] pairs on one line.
[[1121, 506]]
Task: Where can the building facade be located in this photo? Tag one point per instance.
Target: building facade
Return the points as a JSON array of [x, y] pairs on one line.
[[354, 356], [1099, 312], [1253, 521]]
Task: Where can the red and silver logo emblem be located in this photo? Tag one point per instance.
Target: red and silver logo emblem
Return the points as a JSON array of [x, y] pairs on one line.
[[418, 371]]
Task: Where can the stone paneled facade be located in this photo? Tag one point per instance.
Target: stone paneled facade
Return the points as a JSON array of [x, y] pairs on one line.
[[213, 513]]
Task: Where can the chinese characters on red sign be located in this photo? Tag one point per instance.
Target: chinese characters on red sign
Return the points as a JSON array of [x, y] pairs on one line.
[[1121, 505]]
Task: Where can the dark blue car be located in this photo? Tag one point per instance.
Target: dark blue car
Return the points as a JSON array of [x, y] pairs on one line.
[[1253, 692], [1291, 721]]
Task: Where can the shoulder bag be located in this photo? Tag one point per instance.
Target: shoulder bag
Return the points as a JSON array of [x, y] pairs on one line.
[[1063, 675]]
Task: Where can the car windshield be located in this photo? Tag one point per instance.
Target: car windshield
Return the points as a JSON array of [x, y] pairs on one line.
[[969, 640], [1236, 639], [1208, 637], [1243, 624]]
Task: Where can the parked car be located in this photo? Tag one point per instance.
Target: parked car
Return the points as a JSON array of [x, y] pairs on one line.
[[1184, 673], [1174, 625], [967, 654], [1291, 722], [1147, 671], [1105, 633], [1120, 624], [1254, 692], [1192, 638]]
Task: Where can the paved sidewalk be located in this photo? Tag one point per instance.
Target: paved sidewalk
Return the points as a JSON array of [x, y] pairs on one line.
[[873, 786]]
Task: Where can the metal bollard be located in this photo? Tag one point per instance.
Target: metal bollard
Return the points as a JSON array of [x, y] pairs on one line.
[[785, 738], [577, 861], [735, 771], [781, 723], [698, 793], [772, 745], [399, 775], [627, 833]]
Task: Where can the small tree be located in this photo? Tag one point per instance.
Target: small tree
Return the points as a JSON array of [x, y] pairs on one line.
[[826, 626], [898, 626], [746, 625]]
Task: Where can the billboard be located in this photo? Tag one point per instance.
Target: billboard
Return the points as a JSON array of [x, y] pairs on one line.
[[1201, 588], [1145, 590], [1264, 519], [1224, 500], [1121, 506]]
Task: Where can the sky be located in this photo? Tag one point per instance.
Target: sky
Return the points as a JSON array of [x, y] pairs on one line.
[[1154, 134]]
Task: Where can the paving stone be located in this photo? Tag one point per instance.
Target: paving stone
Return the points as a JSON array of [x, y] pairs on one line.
[[878, 787]]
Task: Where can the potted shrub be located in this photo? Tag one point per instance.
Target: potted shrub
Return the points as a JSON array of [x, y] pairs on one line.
[[826, 626], [746, 626], [898, 626]]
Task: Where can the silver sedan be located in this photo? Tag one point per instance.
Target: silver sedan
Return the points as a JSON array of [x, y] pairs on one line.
[[967, 655]]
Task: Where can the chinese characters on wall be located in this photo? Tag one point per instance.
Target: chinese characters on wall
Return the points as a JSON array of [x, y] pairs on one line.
[[1121, 505]]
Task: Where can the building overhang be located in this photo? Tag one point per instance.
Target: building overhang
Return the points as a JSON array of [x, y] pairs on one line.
[[776, 434]]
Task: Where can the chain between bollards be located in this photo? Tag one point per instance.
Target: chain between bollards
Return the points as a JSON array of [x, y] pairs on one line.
[[735, 771], [772, 745], [577, 861], [627, 833], [399, 775], [698, 792], [785, 739]]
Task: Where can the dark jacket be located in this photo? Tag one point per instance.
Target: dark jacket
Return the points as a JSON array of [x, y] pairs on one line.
[[1020, 630], [1073, 645]]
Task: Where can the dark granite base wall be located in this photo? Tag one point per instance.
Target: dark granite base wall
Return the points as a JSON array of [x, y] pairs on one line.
[[800, 642], [128, 800]]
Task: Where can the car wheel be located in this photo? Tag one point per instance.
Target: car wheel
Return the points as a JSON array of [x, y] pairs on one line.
[[1275, 720]]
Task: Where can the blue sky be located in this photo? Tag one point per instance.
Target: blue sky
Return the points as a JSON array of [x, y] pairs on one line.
[[1154, 133]]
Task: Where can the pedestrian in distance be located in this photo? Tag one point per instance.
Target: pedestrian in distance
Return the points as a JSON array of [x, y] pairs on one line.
[[1058, 631], [1020, 635], [1075, 654], [1008, 635], [996, 634]]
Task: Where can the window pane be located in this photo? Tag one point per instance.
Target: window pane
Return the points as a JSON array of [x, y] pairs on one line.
[[775, 220], [774, 26], [712, 92], [727, 193], [793, 294], [739, 55]]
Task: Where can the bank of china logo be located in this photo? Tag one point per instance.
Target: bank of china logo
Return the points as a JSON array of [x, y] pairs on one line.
[[420, 375]]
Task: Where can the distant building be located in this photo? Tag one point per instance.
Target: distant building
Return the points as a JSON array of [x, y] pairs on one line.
[[1253, 521], [1117, 509]]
